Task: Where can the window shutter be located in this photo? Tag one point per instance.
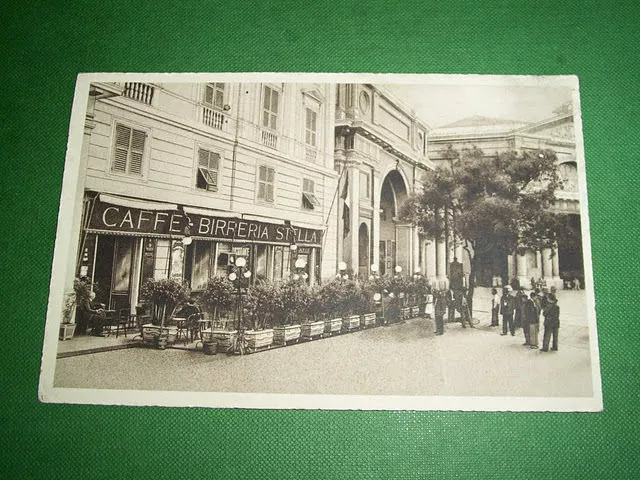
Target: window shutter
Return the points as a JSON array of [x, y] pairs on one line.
[[213, 180], [208, 95], [214, 161], [274, 101], [269, 193], [137, 149], [219, 98], [261, 191], [123, 135], [263, 173], [203, 158]]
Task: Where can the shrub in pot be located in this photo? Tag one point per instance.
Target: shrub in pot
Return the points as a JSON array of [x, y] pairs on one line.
[[330, 298], [80, 295], [263, 302], [216, 300], [313, 324], [349, 305], [288, 312], [164, 296]]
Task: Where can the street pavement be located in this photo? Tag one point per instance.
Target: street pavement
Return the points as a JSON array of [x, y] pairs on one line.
[[400, 359]]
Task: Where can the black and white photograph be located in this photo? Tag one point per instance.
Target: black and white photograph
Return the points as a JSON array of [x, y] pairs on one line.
[[324, 241]]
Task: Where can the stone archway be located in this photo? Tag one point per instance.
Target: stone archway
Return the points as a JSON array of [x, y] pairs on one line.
[[393, 240]]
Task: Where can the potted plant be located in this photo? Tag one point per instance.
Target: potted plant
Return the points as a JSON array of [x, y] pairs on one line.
[[80, 295], [330, 298], [313, 325], [349, 306], [287, 328], [263, 302], [366, 303], [217, 300], [164, 296]]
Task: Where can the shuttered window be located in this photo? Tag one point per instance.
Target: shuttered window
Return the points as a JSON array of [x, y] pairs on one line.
[[266, 180], [214, 95], [309, 199], [270, 108], [208, 168], [310, 128], [129, 150]]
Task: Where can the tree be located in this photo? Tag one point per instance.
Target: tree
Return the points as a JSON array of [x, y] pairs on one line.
[[489, 205]]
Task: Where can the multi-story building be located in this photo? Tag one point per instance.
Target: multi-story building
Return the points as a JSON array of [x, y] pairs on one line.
[[180, 179], [495, 136], [381, 155]]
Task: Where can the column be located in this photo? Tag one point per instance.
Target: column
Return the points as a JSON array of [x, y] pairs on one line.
[[539, 263], [375, 220], [340, 234], [555, 262], [522, 270], [415, 238], [441, 261], [430, 260], [354, 197], [547, 270]]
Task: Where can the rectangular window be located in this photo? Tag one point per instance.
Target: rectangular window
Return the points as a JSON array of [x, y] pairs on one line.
[[163, 254], [208, 167], [309, 199], [129, 150], [270, 108], [201, 262], [266, 180], [214, 95], [310, 128], [365, 185]]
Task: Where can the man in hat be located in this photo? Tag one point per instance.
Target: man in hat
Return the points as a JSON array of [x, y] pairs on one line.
[[530, 320], [507, 307], [439, 309], [551, 323], [519, 320]]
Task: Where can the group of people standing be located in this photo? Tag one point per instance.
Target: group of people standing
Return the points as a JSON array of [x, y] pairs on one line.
[[448, 302], [520, 310]]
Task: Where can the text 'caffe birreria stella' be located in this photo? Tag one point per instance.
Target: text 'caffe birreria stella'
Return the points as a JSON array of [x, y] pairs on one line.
[[126, 241]]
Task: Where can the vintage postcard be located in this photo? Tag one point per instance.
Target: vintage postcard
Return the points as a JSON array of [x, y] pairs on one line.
[[324, 241]]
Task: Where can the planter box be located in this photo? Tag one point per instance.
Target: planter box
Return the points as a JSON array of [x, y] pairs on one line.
[[415, 311], [313, 329], [151, 332], [286, 333], [258, 338], [351, 323], [222, 338], [67, 330], [332, 325], [368, 320]]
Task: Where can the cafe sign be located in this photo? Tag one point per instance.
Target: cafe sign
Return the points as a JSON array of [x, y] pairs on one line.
[[118, 219]]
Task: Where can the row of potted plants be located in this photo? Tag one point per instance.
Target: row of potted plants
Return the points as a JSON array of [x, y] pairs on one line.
[[266, 314]]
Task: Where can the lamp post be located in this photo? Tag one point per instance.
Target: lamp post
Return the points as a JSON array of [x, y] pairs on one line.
[[239, 276]]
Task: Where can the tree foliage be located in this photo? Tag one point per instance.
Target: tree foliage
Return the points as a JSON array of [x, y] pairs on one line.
[[491, 205]]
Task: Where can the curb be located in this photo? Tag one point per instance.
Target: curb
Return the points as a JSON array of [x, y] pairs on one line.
[[89, 351]]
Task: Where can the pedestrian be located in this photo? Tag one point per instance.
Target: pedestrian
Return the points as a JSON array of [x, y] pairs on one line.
[[551, 323], [439, 309], [495, 307], [531, 319], [464, 310], [428, 306], [519, 320], [507, 307], [451, 305], [93, 314]]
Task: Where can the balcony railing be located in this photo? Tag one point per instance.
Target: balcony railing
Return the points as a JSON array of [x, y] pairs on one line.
[[212, 118], [141, 92], [270, 139]]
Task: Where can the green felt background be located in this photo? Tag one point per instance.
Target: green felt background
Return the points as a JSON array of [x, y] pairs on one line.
[[45, 44]]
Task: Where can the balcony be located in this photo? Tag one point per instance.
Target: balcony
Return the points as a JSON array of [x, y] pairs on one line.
[[141, 92], [212, 118], [269, 138]]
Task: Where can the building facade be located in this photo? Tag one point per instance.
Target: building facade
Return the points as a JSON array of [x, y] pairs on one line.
[[180, 179], [495, 136], [380, 156]]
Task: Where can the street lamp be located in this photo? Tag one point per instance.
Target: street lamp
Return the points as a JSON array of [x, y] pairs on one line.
[[300, 265], [239, 276], [342, 267]]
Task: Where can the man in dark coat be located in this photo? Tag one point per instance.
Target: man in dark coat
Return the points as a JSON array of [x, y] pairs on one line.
[[439, 309], [530, 320], [93, 314], [519, 320], [451, 305], [551, 323], [507, 307]]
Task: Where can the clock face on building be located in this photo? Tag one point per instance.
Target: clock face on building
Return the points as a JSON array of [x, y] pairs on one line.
[[364, 102]]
